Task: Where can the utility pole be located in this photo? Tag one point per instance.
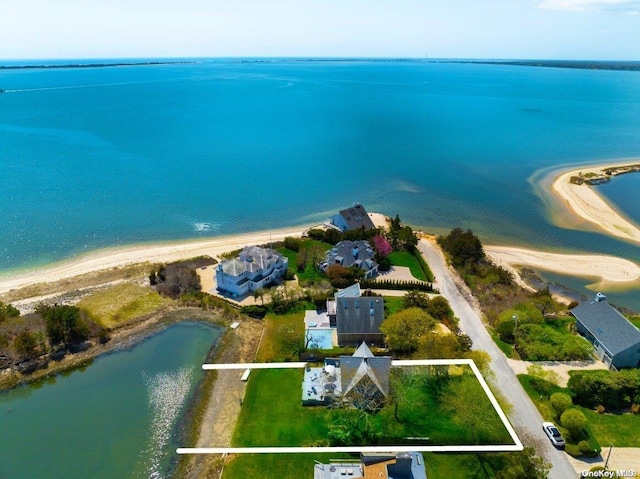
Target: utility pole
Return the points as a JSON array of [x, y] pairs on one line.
[[606, 463]]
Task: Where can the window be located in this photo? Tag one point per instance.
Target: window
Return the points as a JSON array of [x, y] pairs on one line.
[[356, 304], [345, 304]]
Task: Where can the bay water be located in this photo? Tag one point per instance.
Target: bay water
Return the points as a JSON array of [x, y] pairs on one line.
[[119, 417], [101, 157]]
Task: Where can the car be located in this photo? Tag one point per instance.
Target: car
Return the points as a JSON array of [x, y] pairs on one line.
[[554, 435]]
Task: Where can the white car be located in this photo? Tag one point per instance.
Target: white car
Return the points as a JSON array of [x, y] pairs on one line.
[[554, 435]]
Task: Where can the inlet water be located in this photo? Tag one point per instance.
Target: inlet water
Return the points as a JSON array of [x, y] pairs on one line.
[[117, 418]]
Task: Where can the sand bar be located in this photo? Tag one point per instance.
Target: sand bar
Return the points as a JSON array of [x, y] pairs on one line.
[[585, 202], [611, 270], [154, 253]]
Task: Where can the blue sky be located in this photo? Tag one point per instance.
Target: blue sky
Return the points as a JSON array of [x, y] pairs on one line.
[[554, 29]]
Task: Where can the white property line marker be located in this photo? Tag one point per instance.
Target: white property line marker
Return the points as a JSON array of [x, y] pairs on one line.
[[517, 446]]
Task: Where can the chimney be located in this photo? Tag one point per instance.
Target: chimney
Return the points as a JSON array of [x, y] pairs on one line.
[[600, 297]]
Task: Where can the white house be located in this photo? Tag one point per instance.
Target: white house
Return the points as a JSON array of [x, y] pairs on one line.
[[254, 268]]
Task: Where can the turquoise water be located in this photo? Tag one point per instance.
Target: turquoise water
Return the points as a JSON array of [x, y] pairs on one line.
[[92, 158], [116, 418], [624, 192]]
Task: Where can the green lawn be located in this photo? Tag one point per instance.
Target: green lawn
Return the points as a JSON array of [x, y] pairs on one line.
[[392, 304], [419, 269], [310, 275], [272, 413], [272, 348], [278, 466], [621, 430]]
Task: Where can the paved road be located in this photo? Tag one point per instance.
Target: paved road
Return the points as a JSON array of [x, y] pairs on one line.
[[524, 417]]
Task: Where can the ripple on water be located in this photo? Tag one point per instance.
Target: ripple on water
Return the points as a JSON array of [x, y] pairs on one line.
[[166, 392]]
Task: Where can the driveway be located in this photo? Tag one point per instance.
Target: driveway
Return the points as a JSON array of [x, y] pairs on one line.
[[524, 416]]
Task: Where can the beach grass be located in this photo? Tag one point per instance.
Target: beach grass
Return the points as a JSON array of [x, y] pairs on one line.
[[121, 303]]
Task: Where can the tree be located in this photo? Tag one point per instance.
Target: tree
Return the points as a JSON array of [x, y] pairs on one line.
[[404, 329], [561, 402], [259, 293], [574, 420], [463, 247], [26, 345], [293, 340], [523, 465], [64, 324], [382, 246]]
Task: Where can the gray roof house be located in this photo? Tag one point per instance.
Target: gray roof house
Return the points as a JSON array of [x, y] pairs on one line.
[[352, 219], [353, 253], [400, 465], [360, 380], [254, 268], [358, 319], [616, 340]]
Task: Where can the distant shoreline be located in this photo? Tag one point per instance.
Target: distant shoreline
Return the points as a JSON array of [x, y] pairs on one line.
[[92, 65], [573, 188]]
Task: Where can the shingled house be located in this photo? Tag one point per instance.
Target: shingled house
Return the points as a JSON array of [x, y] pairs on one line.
[[254, 268], [360, 380], [616, 340], [352, 219], [352, 253]]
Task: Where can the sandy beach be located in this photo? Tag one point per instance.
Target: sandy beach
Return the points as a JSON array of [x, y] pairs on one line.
[[142, 253], [609, 270], [585, 202]]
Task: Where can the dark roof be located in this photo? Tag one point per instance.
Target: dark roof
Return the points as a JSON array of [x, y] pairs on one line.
[[344, 252], [356, 217], [354, 315], [607, 325], [357, 367]]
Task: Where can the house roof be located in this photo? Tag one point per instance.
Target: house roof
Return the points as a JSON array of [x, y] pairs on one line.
[[607, 325], [356, 217], [362, 315], [352, 291], [343, 253], [251, 259], [364, 364]]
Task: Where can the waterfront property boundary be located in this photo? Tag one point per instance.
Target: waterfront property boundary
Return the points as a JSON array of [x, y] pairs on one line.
[[516, 446]]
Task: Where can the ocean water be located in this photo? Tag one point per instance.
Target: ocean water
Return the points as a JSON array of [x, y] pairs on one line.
[[624, 192], [98, 157]]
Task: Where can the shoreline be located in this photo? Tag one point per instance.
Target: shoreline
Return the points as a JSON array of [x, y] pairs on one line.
[[609, 270], [154, 252], [586, 204]]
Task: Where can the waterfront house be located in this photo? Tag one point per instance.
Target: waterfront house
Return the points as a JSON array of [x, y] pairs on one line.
[[360, 380], [254, 268], [379, 465], [352, 253], [352, 218], [615, 338]]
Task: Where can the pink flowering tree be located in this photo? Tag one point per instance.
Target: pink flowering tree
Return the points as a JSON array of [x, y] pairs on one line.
[[382, 246]]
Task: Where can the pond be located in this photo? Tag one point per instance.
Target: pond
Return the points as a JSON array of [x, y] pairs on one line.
[[119, 417]]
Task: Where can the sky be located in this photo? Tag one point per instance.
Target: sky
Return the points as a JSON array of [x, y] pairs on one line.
[[498, 29]]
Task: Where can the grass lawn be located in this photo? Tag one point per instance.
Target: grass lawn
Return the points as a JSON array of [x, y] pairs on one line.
[[404, 258], [621, 430], [278, 466], [505, 347], [121, 303], [310, 275], [272, 413], [392, 304], [272, 349]]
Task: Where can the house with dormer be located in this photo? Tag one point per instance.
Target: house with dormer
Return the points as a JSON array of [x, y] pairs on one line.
[[254, 268], [352, 218], [352, 253]]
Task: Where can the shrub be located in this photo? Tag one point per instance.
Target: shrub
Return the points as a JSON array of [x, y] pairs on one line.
[[292, 243], [600, 409], [635, 408], [254, 311], [561, 402], [573, 450], [574, 420]]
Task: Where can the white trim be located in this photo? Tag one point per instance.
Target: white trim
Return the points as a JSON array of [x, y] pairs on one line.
[[517, 446]]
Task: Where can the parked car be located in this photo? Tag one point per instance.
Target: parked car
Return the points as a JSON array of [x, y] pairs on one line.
[[554, 435]]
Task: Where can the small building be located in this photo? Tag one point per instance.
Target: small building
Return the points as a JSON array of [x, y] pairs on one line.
[[360, 380], [254, 268], [352, 253], [615, 338], [400, 465], [352, 218]]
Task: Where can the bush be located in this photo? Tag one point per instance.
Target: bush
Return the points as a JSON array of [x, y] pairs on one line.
[[292, 243], [573, 450], [254, 311], [585, 447], [600, 409], [561, 402], [574, 420]]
